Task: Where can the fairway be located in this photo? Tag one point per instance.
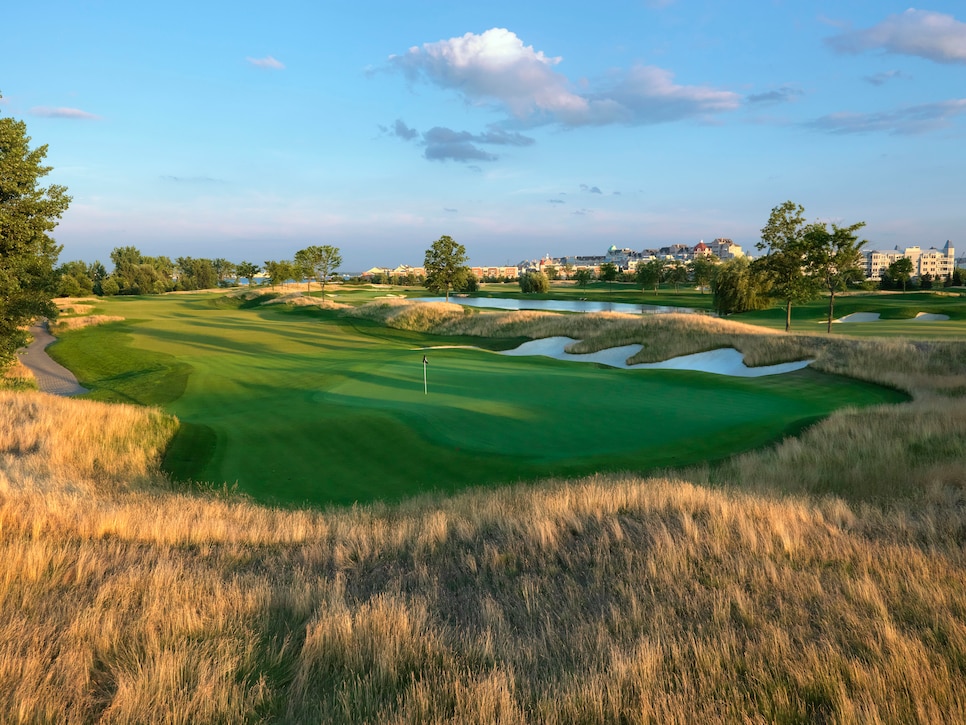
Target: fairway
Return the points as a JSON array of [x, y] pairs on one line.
[[306, 406]]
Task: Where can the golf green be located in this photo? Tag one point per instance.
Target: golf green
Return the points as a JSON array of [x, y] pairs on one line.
[[299, 405]]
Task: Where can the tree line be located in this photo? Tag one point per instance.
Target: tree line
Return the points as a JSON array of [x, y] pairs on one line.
[[135, 273]]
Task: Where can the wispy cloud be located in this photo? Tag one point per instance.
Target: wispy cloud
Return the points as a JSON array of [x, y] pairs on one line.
[[403, 131], [75, 114], [267, 62], [908, 120], [191, 179], [591, 189], [446, 144], [556, 201], [935, 36], [784, 94], [495, 68], [884, 77]]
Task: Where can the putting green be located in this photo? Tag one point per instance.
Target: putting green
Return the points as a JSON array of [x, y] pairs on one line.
[[299, 405]]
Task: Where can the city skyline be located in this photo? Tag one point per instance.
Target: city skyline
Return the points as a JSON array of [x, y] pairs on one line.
[[248, 131]]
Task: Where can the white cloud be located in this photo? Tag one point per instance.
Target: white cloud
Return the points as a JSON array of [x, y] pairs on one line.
[[496, 68], [493, 66], [924, 33], [71, 113], [267, 62], [903, 121]]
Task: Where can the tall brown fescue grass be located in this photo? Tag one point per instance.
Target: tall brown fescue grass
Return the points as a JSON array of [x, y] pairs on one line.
[[609, 599], [73, 307], [297, 298], [18, 376], [75, 323]]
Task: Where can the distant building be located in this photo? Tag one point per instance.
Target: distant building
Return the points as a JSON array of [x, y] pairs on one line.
[[939, 263], [724, 249], [495, 272]]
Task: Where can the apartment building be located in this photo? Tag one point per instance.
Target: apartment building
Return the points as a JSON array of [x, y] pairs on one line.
[[939, 263]]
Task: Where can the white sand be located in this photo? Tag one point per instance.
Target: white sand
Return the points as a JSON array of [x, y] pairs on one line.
[[724, 361], [859, 317], [874, 317]]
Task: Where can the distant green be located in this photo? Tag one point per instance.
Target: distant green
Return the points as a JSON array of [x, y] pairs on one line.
[[296, 405]]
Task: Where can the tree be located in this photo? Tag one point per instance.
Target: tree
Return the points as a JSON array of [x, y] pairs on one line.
[[28, 213], [737, 288], [196, 273], [568, 270], [788, 265], [552, 272], [471, 285], [75, 279], [534, 282], [837, 259], [137, 274], [677, 275], [302, 266], [650, 274], [702, 270], [608, 272], [223, 269], [319, 261], [278, 272], [327, 261], [901, 271], [248, 270], [445, 264], [583, 277]]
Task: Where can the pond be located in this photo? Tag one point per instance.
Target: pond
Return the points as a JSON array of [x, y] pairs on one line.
[[557, 305]]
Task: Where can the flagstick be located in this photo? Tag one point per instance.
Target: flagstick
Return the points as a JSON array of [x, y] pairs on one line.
[[425, 389]]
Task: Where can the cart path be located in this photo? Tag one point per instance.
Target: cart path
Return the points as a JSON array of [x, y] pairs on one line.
[[51, 376]]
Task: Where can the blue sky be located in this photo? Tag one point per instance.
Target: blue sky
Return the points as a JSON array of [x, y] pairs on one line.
[[250, 130]]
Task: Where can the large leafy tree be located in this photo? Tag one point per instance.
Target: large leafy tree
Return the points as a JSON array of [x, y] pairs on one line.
[[29, 211], [837, 259], [788, 264], [737, 287], [445, 264]]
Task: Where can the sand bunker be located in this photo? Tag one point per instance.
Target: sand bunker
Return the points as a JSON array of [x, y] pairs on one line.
[[724, 361], [874, 317], [859, 317]]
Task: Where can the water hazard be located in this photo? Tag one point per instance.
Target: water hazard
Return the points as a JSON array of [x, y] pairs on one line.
[[557, 305]]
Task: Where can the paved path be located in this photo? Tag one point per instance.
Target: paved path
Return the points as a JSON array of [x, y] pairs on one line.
[[51, 377]]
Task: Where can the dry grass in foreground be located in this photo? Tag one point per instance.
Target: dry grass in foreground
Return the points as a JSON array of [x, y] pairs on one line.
[[610, 599]]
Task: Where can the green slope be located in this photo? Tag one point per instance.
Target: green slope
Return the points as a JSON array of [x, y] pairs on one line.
[[298, 405]]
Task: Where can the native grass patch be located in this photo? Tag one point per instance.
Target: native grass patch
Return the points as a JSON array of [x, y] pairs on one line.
[[612, 598], [18, 376]]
